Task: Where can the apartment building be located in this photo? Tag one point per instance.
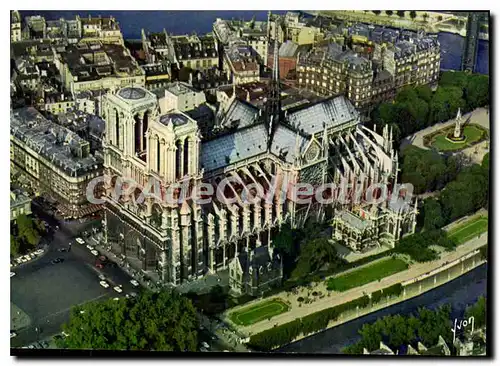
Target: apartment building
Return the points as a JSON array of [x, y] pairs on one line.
[[56, 160]]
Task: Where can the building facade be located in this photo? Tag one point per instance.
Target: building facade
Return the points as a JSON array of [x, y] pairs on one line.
[[20, 204], [56, 161]]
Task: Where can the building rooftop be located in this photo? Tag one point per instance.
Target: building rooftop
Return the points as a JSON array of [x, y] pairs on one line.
[[132, 93], [180, 88], [93, 61], [328, 113], [57, 144], [18, 197], [177, 119], [353, 220]]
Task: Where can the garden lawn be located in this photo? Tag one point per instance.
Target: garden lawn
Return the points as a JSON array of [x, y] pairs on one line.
[[472, 133], [258, 312], [366, 274], [469, 230]]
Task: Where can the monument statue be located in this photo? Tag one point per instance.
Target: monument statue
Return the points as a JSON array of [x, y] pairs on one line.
[[458, 131]]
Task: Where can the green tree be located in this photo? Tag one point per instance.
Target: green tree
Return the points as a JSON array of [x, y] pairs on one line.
[[433, 324], [425, 169], [478, 311], [486, 162], [433, 217], [413, 14], [376, 12], [425, 16], [314, 255], [389, 12], [164, 321], [424, 92], [27, 230], [440, 18], [445, 103], [477, 93], [285, 240], [400, 13], [14, 246]]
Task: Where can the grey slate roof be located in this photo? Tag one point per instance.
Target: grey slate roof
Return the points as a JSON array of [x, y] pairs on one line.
[[55, 143], [330, 113], [284, 142], [240, 113], [233, 147], [132, 93], [353, 220], [288, 49]]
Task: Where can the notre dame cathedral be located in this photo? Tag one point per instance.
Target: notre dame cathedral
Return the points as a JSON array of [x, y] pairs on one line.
[[318, 144]]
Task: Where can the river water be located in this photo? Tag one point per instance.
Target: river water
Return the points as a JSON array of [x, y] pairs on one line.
[[182, 22], [459, 293]]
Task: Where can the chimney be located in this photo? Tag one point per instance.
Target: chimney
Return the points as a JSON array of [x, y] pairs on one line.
[[248, 96]]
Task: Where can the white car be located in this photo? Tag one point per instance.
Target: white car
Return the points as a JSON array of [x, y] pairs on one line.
[[118, 289], [104, 284], [94, 252], [19, 260], [116, 299], [80, 241], [13, 334], [134, 283], [90, 247], [39, 251], [102, 277], [24, 259], [12, 274], [32, 255], [205, 344]]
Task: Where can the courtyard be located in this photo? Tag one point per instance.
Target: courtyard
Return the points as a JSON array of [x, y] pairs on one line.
[[259, 312], [472, 133]]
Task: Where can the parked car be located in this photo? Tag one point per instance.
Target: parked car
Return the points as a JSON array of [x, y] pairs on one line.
[[94, 252], [134, 283], [133, 294], [12, 274], [57, 260], [205, 344], [62, 250], [104, 284], [90, 247], [102, 277], [116, 298], [203, 349], [118, 289], [44, 344], [39, 251], [80, 241], [13, 334]]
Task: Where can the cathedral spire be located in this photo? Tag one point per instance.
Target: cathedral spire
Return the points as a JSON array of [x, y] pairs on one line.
[[273, 103]]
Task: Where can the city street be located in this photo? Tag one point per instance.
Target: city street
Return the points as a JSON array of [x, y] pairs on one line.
[[46, 292]]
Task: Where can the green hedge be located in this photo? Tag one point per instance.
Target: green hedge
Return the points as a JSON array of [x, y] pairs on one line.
[[376, 296]]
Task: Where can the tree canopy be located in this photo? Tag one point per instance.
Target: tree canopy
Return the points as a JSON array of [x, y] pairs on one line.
[[425, 169], [164, 321], [398, 330], [314, 255]]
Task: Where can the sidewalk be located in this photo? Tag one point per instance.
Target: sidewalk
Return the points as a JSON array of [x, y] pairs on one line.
[[142, 277]]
